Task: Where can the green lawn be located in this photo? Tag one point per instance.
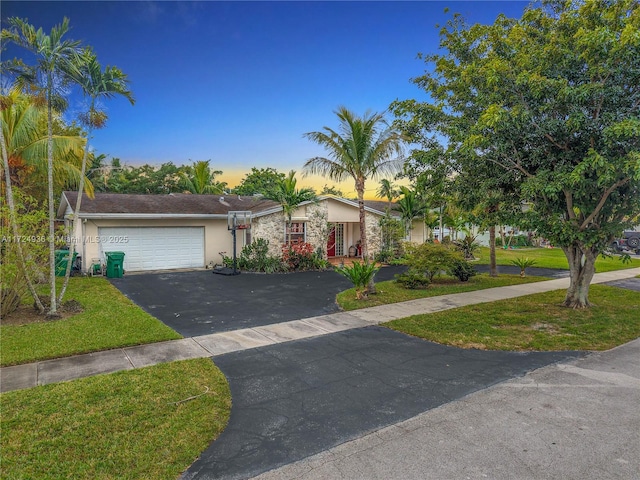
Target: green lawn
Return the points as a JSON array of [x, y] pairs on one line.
[[551, 258], [125, 425], [391, 292], [109, 320], [533, 322]]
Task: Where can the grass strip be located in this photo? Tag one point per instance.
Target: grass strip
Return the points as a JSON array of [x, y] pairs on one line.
[[124, 425], [109, 320], [391, 292], [551, 258], [533, 322]]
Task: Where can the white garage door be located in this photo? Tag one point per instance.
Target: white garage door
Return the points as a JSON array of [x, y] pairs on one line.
[[155, 248]]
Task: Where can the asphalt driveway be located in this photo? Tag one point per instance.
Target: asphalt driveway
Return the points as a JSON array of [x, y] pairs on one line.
[[200, 303], [299, 398]]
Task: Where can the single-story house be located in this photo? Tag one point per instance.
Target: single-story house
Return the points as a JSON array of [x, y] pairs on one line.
[[188, 231]]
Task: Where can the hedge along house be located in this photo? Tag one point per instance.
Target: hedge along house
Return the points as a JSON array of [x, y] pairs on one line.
[[158, 232]]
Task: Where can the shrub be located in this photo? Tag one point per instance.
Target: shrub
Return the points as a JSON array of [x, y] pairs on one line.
[[392, 231], [360, 274], [516, 241], [412, 281], [468, 246], [255, 258], [33, 228], [429, 259], [523, 263], [462, 270], [301, 257]]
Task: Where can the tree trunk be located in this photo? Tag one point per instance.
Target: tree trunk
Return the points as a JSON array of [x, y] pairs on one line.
[[493, 269], [53, 310], [76, 218], [371, 286], [13, 220], [581, 269]]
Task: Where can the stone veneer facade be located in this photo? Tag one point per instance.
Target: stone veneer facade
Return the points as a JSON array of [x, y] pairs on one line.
[[272, 227]]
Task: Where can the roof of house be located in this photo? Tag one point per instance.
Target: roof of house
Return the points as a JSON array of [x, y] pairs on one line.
[[380, 206], [126, 205], [171, 204]]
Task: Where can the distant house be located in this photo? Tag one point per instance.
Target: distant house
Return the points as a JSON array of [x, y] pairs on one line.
[[159, 232]]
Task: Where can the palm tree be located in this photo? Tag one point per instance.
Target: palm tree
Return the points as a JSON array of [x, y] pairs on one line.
[[96, 83], [53, 54], [364, 147], [26, 144], [13, 220], [387, 190], [291, 197], [201, 179], [410, 206]]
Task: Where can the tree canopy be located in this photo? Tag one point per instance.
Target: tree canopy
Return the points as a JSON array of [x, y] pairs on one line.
[[260, 181], [543, 111]]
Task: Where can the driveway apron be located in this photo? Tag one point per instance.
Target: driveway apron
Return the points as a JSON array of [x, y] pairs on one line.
[[295, 399], [200, 303]]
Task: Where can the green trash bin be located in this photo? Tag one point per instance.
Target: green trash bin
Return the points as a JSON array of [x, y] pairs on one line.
[[62, 257], [115, 264]]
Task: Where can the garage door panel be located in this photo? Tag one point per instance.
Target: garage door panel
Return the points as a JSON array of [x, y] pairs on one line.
[[155, 248]]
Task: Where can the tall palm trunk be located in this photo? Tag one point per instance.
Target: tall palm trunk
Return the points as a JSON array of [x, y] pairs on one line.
[[493, 269], [76, 217], [76, 212], [53, 310], [371, 286], [13, 219]]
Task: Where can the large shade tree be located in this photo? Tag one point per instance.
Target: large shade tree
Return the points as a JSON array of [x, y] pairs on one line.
[[552, 101], [53, 54], [364, 147], [260, 181]]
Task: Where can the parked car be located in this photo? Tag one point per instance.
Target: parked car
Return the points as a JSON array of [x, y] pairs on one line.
[[629, 240]]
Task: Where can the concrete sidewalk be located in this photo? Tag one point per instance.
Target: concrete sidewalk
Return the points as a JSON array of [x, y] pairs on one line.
[[70, 368], [575, 420]]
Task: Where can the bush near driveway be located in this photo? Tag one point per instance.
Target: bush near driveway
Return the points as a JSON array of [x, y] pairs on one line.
[[109, 320]]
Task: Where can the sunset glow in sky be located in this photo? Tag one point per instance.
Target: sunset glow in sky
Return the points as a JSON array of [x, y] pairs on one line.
[[239, 83]]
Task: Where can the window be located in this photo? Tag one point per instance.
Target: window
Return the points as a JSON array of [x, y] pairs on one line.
[[297, 232]]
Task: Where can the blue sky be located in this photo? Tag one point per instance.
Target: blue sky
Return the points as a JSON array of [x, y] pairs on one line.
[[239, 83]]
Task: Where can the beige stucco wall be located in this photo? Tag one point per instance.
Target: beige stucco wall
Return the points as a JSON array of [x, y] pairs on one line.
[[270, 227], [419, 232], [216, 236], [338, 212]]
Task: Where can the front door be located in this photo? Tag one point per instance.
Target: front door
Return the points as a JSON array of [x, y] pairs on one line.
[[331, 243]]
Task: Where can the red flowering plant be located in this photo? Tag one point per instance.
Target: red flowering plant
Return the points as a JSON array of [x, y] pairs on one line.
[[300, 256]]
